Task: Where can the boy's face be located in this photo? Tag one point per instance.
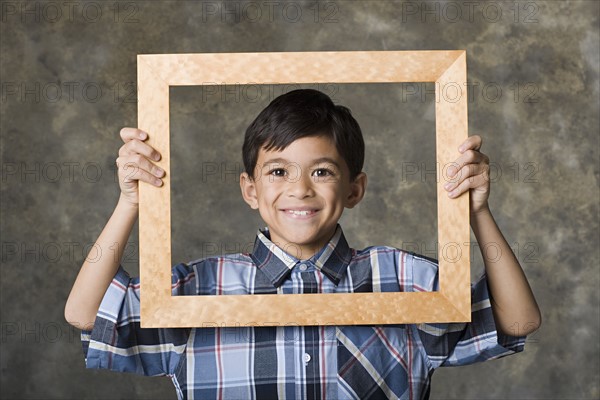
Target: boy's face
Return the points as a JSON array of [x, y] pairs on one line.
[[308, 176]]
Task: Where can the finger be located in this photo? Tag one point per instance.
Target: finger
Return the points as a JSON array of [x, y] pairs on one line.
[[130, 166], [468, 172], [471, 143], [143, 163], [471, 183], [133, 172], [468, 157], [128, 134], [135, 146]]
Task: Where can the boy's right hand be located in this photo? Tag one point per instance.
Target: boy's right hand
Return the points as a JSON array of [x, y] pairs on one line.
[[134, 164]]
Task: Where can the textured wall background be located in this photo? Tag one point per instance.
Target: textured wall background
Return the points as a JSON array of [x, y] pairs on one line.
[[68, 87]]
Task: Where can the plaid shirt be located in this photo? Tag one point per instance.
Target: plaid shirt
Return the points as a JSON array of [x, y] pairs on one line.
[[294, 362]]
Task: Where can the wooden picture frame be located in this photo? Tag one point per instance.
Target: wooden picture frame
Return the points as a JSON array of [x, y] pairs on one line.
[[452, 303]]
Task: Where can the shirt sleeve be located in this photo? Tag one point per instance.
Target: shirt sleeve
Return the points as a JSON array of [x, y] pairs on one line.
[[455, 344], [118, 343]]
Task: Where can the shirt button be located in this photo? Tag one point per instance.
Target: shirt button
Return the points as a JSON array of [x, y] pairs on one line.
[[306, 357], [303, 267]]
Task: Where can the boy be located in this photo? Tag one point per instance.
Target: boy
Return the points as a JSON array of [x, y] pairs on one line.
[[303, 158]]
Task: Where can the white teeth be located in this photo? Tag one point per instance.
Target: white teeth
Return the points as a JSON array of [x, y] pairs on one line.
[[299, 212]]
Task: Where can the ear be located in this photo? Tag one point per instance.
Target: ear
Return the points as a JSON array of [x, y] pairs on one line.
[[248, 187], [357, 190]]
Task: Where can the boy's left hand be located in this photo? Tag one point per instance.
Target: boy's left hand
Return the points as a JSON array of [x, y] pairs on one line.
[[473, 173]]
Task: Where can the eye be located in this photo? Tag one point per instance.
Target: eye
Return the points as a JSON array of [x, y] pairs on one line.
[[276, 172], [323, 172]]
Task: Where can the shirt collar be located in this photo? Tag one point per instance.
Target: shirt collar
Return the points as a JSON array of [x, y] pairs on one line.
[[332, 259]]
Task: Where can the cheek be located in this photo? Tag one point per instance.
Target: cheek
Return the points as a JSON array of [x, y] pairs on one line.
[[268, 195], [333, 195]]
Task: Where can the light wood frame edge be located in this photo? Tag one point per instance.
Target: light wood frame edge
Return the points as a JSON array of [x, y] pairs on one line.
[[452, 303]]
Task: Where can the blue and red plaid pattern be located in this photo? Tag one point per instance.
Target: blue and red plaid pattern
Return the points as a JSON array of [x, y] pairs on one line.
[[295, 362]]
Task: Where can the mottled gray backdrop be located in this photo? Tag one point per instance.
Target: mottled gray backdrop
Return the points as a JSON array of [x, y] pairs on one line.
[[68, 87]]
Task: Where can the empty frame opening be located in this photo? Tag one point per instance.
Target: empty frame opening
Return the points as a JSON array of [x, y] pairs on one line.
[[207, 125]]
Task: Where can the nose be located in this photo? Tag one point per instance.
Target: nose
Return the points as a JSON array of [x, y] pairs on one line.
[[300, 186]]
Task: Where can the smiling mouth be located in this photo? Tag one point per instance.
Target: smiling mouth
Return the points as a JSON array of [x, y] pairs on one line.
[[300, 213]]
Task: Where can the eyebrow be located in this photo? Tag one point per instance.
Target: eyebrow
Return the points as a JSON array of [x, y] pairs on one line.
[[280, 160]]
